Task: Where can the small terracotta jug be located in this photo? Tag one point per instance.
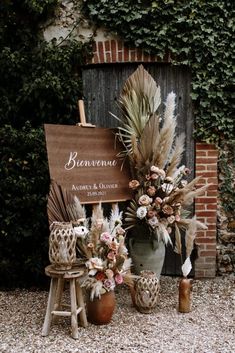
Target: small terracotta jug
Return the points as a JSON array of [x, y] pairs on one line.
[[185, 287], [100, 311]]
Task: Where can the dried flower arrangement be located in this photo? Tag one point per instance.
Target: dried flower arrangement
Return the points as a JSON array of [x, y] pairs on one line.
[[161, 193], [103, 250], [100, 241]]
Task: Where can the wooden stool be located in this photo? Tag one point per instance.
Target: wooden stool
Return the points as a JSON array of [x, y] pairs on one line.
[[58, 278]]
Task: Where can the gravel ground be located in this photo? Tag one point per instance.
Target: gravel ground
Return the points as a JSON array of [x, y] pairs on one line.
[[208, 328]]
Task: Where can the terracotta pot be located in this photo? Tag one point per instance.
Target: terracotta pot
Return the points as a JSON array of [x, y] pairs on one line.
[[185, 287], [100, 311]]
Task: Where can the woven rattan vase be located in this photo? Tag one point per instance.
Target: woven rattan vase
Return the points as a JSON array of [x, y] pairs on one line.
[[146, 292], [62, 245]]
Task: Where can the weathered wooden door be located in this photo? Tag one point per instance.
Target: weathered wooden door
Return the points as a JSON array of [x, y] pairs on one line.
[[102, 85]]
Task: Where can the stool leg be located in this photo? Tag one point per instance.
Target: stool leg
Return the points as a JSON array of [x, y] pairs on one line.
[[74, 319], [50, 307], [80, 302], [59, 293]]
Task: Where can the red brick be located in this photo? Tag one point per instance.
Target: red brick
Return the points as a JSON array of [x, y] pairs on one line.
[[114, 50], [208, 253], [206, 240], [107, 45], [126, 54], [205, 199], [211, 247], [120, 56], [206, 213], [201, 153], [211, 206], [139, 54], [201, 167], [108, 58], [204, 146], [212, 193], [120, 45], [101, 52], [205, 160], [133, 52], [200, 206], [212, 154], [212, 167]]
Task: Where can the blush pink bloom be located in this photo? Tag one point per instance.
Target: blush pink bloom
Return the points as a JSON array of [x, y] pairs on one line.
[[133, 184], [168, 210], [118, 278], [106, 237], [111, 255], [109, 284], [151, 190], [145, 200], [177, 218]]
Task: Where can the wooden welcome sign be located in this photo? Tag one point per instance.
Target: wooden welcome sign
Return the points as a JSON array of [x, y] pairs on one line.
[[84, 161]]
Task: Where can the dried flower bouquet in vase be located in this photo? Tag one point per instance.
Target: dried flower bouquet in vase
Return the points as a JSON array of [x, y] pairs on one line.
[[161, 191]]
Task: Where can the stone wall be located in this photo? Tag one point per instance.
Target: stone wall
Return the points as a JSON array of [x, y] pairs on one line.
[[217, 244]]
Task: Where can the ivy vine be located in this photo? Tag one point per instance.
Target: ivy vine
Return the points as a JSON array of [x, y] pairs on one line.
[[198, 33]]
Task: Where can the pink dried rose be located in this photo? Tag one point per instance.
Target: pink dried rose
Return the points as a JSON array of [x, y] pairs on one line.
[[177, 218], [151, 190], [109, 284], [106, 237], [154, 176], [151, 213], [167, 209], [145, 200], [118, 278], [113, 245], [158, 200], [111, 255], [153, 222], [133, 184]]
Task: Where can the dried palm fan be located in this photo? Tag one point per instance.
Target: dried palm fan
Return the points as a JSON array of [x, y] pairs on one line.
[[57, 202], [148, 139]]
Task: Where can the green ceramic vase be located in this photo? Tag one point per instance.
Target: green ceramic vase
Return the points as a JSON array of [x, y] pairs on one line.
[[146, 254]]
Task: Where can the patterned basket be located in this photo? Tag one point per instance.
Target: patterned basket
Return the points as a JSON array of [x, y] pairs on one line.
[[146, 291], [62, 245]]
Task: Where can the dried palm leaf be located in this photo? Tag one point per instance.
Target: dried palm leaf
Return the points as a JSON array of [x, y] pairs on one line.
[[140, 98], [58, 199]]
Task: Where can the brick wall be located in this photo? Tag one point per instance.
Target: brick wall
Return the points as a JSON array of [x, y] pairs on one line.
[[206, 209], [113, 51]]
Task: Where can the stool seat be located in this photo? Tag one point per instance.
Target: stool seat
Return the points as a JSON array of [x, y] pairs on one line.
[[58, 278]]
